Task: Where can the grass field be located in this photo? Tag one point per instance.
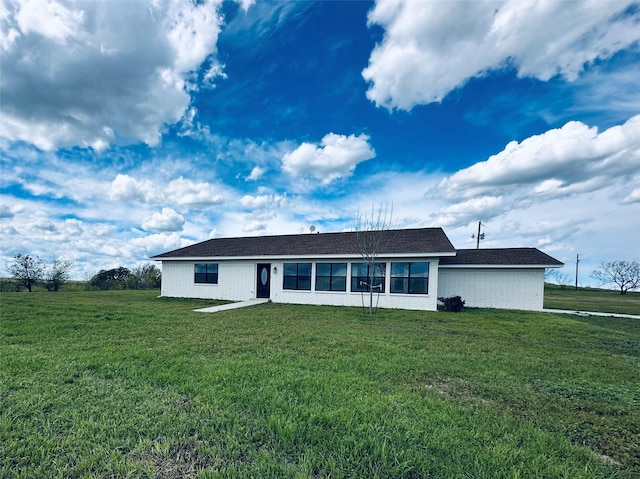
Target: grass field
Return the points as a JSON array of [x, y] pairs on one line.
[[124, 384], [591, 299]]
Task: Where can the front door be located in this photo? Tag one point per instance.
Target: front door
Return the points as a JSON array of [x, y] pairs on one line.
[[264, 280]]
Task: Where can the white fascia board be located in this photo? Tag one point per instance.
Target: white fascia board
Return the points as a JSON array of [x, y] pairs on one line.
[[497, 266], [305, 257]]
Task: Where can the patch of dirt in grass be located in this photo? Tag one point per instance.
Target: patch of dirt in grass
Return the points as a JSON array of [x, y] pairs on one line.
[[454, 388], [181, 460]]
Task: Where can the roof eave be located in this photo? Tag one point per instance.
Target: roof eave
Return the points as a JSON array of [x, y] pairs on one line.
[[501, 266], [292, 257]]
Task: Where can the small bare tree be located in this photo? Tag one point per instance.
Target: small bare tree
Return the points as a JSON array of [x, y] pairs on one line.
[[624, 274], [27, 270], [57, 274], [372, 235], [556, 276]]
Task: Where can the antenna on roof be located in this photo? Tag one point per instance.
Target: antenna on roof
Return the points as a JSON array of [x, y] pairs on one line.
[[312, 228]]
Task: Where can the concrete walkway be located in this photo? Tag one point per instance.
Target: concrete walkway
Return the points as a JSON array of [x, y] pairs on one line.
[[225, 307], [591, 313]]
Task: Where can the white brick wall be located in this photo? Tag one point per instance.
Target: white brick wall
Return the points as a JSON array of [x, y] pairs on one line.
[[494, 288], [237, 282]]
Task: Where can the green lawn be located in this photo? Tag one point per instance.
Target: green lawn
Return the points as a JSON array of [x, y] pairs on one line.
[[591, 299], [123, 384]]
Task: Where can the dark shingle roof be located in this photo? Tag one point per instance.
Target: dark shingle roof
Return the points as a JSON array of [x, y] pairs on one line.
[[407, 241], [500, 256]]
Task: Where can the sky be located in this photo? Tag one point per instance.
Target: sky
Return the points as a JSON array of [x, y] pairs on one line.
[[131, 128]]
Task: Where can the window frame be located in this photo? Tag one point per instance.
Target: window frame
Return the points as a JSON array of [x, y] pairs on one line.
[[300, 280], [332, 277], [210, 277], [356, 287], [409, 279]]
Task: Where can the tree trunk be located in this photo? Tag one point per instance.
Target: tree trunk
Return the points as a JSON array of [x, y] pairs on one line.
[[370, 294]]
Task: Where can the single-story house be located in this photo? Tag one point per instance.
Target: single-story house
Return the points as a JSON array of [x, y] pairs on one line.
[[413, 267]]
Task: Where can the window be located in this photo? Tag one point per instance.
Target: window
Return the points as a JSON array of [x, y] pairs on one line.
[[411, 278], [331, 276], [297, 276], [206, 273], [360, 276]]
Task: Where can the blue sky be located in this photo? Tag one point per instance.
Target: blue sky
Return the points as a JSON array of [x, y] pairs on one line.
[[129, 131]]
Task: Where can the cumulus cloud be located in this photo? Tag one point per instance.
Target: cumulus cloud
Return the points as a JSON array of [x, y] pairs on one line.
[[432, 48], [469, 210], [180, 191], [88, 74], [126, 188], [633, 197], [254, 226], [6, 211], [335, 157], [557, 163], [262, 201], [157, 243], [167, 220], [559, 166], [256, 173]]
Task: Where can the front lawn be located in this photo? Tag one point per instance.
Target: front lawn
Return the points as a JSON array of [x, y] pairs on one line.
[[591, 299], [124, 384]]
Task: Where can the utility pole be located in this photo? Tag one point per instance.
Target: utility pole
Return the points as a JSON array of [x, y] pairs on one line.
[[577, 263], [479, 236]]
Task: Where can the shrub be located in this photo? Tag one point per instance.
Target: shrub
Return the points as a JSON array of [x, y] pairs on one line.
[[452, 303], [9, 285], [115, 278]]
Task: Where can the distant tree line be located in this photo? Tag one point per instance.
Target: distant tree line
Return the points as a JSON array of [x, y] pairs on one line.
[[28, 271], [147, 276]]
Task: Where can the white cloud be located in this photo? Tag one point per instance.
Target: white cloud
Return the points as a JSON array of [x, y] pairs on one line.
[[335, 157], [559, 162], [180, 191], [256, 173], [167, 220], [262, 201], [7, 211], [128, 189], [192, 30], [153, 244], [467, 211], [88, 74], [254, 226], [633, 197], [432, 48], [49, 19]]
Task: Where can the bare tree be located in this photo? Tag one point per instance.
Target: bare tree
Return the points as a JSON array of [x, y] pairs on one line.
[[27, 270], [556, 276], [624, 274], [57, 274], [372, 235]]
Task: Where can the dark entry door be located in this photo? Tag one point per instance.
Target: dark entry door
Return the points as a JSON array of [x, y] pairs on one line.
[[264, 280]]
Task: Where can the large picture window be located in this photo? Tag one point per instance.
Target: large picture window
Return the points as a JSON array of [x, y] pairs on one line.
[[410, 278], [206, 273], [297, 276], [360, 280], [331, 276]]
